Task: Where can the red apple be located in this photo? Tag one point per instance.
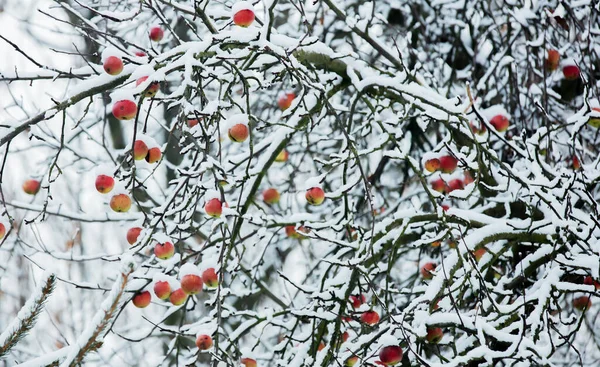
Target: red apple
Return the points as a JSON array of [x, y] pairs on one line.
[[191, 284], [162, 290], [192, 122], [432, 165], [120, 203], [31, 187], [140, 54], [448, 164], [133, 234], [595, 121], [291, 232], [153, 155], [575, 164], [210, 278], [351, 361], [345, 336], [477, 128], [582, 303], [140, 150], [282, 156], [213, 208], [552, 60], [479, 253], [113, 65], [426, 270], [500, 123], [271, 196], [434, 335], [370, 317], [142, 299], [438, 185], [315, 196], [156, 34], [243, 17], [390, 355], [455, 184], [152, 88], [178, 297], [204, 342], [239, 133], [590, 281], [104, 184], [164, 250], [286, 101], [468, 178], [248, 362], [124, 110], [571, 72], [2, 230], [357, 300]]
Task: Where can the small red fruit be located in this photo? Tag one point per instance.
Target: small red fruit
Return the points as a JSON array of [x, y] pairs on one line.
[[552, 60], [124, 110], [153, 155], [571, 72], [2, 230], [590, 281], [390, 355], [479, 253], [214, 208], [438, 185], [582, 303], [345, 336], [239, 133], [140, 150], [426, 270], [448, 164], [500, 123], [248, 362], [113, 65], [286, 101], [434, 335], [351, 361], [178, 297], [192, 122], [152, 88], [315, 196], [31, 187], [432, 165], [479, 130], [133, 234], [243, 17], [271, 196], [204, 342], [156, 34], [104, 184], [210, 278], [370, 317], [164, 250], [162, 289], [120, 203], [191, 284], [357, 300], [140, 54], [455, 184], [282, 156], [142, 299]]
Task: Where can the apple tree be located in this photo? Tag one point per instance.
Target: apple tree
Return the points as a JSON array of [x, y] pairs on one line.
[[301, 183]]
